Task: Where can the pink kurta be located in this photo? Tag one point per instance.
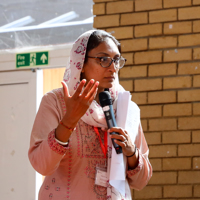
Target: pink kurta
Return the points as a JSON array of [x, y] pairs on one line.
[[70, 171]]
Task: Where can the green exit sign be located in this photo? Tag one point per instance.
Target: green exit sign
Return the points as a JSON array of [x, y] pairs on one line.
[[32, 59]]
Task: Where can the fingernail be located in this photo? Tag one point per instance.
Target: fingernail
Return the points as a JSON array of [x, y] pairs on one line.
[[92, 80]]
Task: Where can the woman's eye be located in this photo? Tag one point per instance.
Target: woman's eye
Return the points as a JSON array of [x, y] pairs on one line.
[[104, 59]]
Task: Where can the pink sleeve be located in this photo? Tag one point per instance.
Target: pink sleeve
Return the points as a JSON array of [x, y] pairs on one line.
[[139, 177], [45, 153]]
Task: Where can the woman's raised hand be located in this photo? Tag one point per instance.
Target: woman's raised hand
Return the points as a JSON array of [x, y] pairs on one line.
[[77, 105]]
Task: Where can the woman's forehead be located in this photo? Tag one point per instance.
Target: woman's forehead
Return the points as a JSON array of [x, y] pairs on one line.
[[107, 47]]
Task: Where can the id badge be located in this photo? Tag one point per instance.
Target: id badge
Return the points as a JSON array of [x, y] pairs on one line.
[[101, 176]]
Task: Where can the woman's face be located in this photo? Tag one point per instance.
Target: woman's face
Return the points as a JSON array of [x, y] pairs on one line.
[[93, 70]]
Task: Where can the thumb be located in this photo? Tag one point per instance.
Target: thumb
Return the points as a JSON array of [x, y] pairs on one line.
[[65, 89]]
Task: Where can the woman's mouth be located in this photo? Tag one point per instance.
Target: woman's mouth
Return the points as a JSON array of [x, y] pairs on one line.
[[110, 78]]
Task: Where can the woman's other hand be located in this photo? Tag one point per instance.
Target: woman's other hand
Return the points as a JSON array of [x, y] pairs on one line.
[[128, 148]]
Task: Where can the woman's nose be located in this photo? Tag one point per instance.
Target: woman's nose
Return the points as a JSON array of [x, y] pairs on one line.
[[113, 67]]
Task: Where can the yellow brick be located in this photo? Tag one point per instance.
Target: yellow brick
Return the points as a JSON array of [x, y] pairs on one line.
[[187, 123], [128, 85], [162, 97], [189, 150], [162, 124], [162, 42], [188, 95], [196, 2], [196, 26], [148, 84], [122, 32], [196, 109], [196, 136], [150, 111], [160, 178], [176, 3], [177, 55], [163, 15], [176, 163], [196, 53], [196, 81], [162, 69], [139, 98], [177, 28], [97, 1], [189, 13], [148, 30], [197, 191], [189, 68], [119, 7], [99, 9], [148, 57], [177, 109], [178, 191], [136, 71], [177, 82], [141, 5], [149, 192], [189, 177], [176, 137], [129, 58], [144, 124], [133, 45], [106, 21], [153, 138], [162, 151], [196, 163], [189, 40], [156, 164], [134, 18]]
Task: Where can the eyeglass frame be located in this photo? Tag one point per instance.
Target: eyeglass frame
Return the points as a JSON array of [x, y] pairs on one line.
[[113, 60]]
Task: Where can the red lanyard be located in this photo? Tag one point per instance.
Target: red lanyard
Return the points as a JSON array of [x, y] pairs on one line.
[[103, 147]]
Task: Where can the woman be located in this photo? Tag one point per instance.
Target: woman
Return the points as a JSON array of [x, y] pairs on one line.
[[65, 145]]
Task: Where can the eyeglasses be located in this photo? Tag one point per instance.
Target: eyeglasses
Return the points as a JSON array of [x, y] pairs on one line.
[[107, 61]]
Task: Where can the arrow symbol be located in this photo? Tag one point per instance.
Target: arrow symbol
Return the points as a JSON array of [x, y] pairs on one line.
[[43, 58]]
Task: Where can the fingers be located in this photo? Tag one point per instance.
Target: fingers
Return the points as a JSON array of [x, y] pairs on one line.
[[121, 138], [89, 91], [93, 92], [65, 89], [88, 87], [79, 89], [122, 133]]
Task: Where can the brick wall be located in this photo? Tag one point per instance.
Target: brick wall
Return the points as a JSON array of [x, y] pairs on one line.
[[161, 40]]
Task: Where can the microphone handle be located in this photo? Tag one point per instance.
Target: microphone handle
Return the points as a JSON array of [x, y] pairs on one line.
[[111, 122]]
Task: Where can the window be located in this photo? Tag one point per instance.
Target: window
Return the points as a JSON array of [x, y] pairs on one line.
[[28, 23]]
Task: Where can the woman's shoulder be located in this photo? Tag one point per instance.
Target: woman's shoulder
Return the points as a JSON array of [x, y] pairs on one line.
[[54, 99], [54, 94]]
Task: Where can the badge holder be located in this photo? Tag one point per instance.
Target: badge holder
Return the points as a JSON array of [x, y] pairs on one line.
[[101, 177]]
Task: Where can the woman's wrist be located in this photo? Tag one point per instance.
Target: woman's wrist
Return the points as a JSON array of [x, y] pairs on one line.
[[131, 155], [69, 121]]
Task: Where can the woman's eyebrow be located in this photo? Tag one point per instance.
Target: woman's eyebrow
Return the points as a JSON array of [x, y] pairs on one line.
[[106, 54], [103, 53]]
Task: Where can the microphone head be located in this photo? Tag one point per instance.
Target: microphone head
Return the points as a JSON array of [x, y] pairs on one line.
[[105, 98]]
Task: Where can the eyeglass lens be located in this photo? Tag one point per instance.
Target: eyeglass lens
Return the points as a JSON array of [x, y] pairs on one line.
[[106, 62]]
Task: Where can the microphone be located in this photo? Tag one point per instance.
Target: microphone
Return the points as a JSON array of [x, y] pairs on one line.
[[106, 104]]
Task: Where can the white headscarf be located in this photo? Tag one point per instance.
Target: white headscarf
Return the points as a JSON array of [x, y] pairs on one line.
[[94, 115]]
